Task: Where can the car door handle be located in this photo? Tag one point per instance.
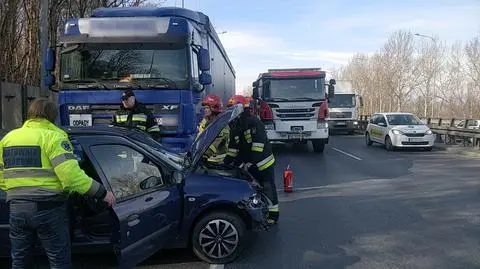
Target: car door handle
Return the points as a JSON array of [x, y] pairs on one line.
[[148, 199], [132, 220]]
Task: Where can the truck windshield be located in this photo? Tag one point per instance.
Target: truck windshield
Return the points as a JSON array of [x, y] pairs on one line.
[[141, 63], [342, 100], [295, 89]]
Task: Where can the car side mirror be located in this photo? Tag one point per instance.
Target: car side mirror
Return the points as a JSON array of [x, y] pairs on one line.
[[178, 177], [150, 182], [204, 60]]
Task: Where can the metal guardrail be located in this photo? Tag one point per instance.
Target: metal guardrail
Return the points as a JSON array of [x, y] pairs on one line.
[[447, 130]]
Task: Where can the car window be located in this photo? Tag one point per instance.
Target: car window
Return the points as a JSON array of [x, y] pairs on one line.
[[373, 119], [128, 171], [381, 119], [403, 119]]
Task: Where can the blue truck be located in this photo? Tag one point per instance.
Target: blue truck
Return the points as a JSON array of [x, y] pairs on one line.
[[171, 57]]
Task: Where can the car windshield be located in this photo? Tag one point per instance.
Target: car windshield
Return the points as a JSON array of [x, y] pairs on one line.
[[295, 89], [141, 63], [342, 100], [174, 159], [403, 119]]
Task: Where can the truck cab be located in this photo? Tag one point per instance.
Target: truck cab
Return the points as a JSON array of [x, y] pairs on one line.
[[292, 103], [343, 109], [170, 57]]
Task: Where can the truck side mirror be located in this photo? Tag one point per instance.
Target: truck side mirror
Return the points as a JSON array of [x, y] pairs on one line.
[[205, 79], [255, 84], [331, 91], [255, 94], [360, 100], [50, 59], [49, 80], [204, 60], [332, 81]]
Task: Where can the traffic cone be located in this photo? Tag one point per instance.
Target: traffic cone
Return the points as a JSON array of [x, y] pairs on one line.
[[288, 179]]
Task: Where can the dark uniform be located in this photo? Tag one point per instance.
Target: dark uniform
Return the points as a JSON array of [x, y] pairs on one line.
[[137, 117], [249, 144]]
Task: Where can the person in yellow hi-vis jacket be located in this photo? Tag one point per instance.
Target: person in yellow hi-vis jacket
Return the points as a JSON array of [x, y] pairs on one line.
[[213, 106], [38, 170]]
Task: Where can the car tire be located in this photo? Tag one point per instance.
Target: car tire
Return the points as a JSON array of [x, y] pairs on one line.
[[229, 224], [428, 148], [368, 141], [388, 144], [318, 146]]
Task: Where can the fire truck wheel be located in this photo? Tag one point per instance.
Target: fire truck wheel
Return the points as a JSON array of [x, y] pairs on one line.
[[318, 146], [218, 237]]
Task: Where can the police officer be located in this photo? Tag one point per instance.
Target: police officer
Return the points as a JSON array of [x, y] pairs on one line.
[[38, 170], [133, 114], [249, 145], [212, 105]]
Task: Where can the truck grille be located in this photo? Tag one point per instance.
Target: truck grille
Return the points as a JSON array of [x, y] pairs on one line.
[[340, 115], [295, 113]]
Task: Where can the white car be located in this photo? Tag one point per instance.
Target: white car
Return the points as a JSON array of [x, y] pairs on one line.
[[399, 130]]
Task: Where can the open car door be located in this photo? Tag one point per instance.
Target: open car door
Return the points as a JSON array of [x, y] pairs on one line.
[[148, 209]]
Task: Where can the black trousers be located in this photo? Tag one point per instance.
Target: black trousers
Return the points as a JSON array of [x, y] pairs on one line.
[[266, 179]]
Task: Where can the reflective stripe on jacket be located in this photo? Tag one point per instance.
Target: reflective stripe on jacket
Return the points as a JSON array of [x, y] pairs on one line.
[[249, 144], [138, 117], [37, 162], [217, 151]]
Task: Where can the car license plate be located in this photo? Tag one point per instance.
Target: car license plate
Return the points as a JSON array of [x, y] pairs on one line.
[[415, 140], [295, 136], [77, 120]]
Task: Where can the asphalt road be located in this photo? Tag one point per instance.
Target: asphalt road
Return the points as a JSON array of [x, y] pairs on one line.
[[360, 207]]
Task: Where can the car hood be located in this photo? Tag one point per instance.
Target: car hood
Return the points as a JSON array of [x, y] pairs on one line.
[[411, 128], [206, 138]]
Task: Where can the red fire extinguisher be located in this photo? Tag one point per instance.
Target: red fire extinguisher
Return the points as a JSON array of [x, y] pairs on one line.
[[288, 179]]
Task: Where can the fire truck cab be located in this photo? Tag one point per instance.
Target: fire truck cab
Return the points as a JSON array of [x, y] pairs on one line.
[[292, 103]]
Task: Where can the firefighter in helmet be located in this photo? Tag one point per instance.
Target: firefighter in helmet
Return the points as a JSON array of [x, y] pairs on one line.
[[212, 105], [250, 147]]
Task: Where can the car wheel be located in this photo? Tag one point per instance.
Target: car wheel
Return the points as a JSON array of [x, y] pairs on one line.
[[428, 148], [318, 146], [388, 144], [218, 237], [368, 141]]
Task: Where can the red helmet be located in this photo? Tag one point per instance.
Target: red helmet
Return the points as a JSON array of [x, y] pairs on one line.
[[214, 102], [239, 99]]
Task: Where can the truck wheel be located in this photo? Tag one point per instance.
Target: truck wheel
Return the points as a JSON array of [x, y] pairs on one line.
[[218, 237], [318, 146]]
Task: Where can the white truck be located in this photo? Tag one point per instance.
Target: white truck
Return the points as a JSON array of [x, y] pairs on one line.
[[343, 109], [292, 103]]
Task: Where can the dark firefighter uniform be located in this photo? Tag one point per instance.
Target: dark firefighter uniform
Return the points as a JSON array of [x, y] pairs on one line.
[[217, 151], [37, 171], [249, 144], [137, 117]]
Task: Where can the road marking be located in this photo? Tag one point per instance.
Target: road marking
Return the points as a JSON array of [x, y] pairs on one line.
[[306, 188], [348, 154], [217, 266]]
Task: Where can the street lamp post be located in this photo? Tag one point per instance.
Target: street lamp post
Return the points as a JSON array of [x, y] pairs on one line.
[[435, 77]]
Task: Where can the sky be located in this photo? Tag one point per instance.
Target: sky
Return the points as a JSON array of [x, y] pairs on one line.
[[264, 34]]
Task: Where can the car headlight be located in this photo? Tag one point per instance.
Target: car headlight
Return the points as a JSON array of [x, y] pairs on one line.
[[397, 132], [428, 132], [255, 200]]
